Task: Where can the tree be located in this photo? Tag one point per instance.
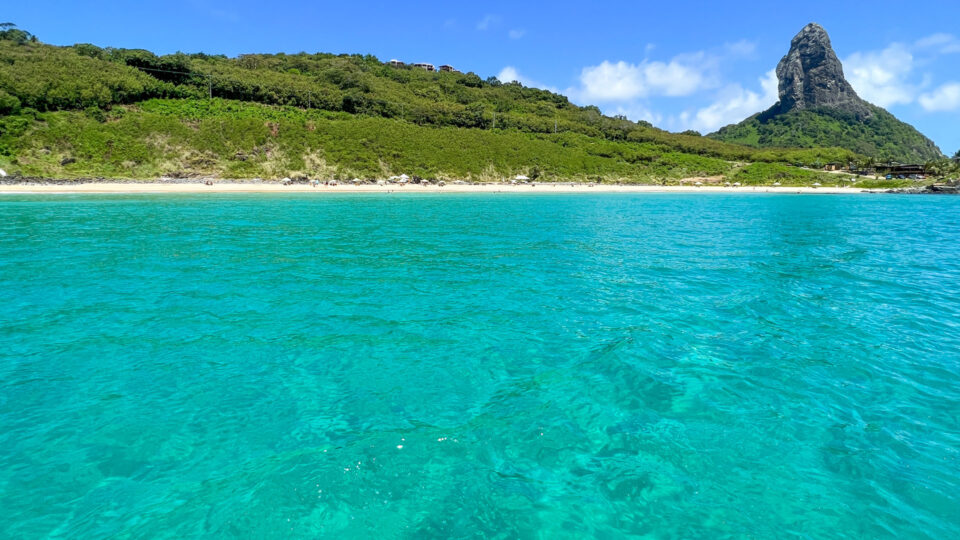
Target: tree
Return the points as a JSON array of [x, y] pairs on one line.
[[10, 32], [8, 104], [88, 49], [935, 168]]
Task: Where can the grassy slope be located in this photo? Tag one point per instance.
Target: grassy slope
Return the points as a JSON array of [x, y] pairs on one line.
[[159, 138], [882, 136]]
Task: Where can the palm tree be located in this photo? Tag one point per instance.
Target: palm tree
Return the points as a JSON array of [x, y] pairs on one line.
[[934, 168]]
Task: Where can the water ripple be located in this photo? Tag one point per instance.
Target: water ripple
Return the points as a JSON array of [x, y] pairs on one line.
[[460, 366]]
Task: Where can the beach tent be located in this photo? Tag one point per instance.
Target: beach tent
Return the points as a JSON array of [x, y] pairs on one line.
[[521, 178]]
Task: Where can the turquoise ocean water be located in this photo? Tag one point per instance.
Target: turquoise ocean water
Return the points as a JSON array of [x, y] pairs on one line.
[[415, 366]]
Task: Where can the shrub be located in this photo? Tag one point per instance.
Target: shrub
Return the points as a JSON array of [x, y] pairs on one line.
[[8, 104]]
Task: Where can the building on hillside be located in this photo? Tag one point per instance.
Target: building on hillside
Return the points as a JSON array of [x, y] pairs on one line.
[[833, 166], [898, 169], [449, 69], [396, 63], [425, 67]]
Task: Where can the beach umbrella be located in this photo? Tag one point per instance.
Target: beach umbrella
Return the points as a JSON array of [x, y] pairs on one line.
[[3, 173]]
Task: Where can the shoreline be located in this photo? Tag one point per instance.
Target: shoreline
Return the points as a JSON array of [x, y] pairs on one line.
[[276, 187]]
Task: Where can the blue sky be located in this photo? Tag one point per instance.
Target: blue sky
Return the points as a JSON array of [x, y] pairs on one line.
[[679, 64]]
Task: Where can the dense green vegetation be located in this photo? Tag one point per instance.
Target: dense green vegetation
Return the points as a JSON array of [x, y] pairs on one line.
[[86, 111], [235, 139], [770, 173], [881, 136]]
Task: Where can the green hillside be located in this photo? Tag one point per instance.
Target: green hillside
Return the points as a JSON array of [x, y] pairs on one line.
[[85, 111], [881, 135]]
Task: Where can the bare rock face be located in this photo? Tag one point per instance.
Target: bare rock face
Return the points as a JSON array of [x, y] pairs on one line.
[[811, 76], [819, 108]]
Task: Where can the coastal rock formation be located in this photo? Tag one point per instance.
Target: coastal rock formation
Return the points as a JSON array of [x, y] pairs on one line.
[[817, 107], [811, 76]]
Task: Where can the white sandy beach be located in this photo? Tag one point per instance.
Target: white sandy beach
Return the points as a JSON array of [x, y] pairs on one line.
[[276, 187]]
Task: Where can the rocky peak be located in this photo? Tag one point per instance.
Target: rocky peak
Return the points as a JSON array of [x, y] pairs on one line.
[[811, 76]]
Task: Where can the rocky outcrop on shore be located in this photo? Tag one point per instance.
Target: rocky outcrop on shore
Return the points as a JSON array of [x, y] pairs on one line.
[[949, 188]]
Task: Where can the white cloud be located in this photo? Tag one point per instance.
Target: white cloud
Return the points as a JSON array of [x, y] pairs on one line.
[[512, 74], [883, 77], [516, 34], [623, 81], [741, 48], [637, 112], [940, 43], [487, 21], [944, 98], [889, 76], [733, 104]]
